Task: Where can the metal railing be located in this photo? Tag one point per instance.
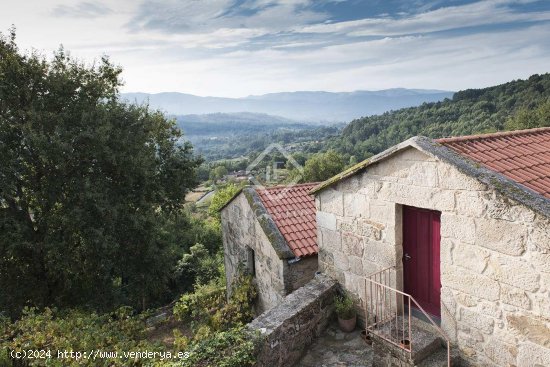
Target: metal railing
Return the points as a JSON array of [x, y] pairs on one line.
[[388, 312]]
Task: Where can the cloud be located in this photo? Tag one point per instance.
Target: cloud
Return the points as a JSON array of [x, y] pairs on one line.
[[83, 9], [298, 24], [454, 63], [447, 18], [196, 16], [241, 47]]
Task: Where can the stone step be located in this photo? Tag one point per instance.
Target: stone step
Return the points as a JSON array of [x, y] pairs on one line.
[[437, 359], [424, 341]]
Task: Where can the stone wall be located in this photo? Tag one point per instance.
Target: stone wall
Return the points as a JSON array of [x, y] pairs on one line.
[[495, 253], [288, 329], [277, 273], [240, 229], [299, 273]]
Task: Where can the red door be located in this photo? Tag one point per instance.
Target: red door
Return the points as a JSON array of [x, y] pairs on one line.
[[421, 239]]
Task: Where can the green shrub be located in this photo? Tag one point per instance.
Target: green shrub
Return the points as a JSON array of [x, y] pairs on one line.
[[232, 348], [344, 306], [238, 310], [208, 308], [198, 307], [77, 331]]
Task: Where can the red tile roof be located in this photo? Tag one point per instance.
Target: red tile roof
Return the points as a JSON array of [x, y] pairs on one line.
[[523, 155], [293, 211]]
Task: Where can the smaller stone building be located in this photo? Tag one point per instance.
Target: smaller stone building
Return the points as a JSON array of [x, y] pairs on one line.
[[272, 234]]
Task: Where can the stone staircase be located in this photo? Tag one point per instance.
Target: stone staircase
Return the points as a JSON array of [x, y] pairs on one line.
[[428, 348]]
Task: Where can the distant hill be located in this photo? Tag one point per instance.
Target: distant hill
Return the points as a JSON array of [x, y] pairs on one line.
[[469, 111], [231, 135], [301, 106], [219, 124]]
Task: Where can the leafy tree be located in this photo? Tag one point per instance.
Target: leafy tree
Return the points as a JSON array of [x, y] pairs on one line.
[[203, 172], [530, 118], [217, 173], [199, 267], [320, 167], [87, 186]]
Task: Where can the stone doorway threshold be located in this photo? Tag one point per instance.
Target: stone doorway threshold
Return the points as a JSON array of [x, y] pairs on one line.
[[337, 349]]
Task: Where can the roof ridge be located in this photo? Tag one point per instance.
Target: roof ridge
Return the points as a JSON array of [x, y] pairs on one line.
[[493, 135], [290, 186]]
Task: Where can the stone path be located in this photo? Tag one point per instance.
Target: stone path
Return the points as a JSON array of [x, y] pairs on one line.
[[337, 349]]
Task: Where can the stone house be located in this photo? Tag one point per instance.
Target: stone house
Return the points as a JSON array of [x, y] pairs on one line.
[[459, 225], [272, 234]]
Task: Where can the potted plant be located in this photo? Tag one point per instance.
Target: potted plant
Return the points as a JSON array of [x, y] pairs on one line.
[[347, 317]]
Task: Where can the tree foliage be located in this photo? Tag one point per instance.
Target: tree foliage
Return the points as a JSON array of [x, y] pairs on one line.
[[217, 173], [87, 186], [319, 167], [530, 118], [198, 267]]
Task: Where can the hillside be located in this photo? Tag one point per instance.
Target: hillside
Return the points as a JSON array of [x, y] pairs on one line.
[[232, 135], [468, 112], [221, 124], [303, 106]]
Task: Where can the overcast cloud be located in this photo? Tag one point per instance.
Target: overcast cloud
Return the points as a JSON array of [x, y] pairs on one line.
[[242, 47]]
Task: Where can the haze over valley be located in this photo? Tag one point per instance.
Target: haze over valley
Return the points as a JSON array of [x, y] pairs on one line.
[[310, 106]]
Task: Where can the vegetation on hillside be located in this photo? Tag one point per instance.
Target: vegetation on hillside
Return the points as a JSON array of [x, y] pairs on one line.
[[77, 338], [52, 332], [529, 118], [248, 143], [517, 104]]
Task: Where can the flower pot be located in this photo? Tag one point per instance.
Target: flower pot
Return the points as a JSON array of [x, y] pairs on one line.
[[347, 325], [405, 344], [366, 337]]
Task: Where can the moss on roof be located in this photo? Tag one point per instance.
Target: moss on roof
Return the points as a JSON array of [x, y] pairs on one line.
[[346, 173], [232, 198]]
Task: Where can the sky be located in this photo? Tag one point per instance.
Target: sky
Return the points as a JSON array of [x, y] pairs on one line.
[[235, 48]]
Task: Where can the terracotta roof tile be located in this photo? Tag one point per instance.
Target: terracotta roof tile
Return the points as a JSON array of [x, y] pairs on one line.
[[523, 155], [293, 211]]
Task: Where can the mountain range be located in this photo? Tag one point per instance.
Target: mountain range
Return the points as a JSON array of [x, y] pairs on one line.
[[309, 106]]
